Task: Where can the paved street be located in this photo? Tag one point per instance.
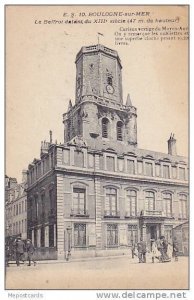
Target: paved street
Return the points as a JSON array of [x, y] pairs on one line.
[[103, 273]]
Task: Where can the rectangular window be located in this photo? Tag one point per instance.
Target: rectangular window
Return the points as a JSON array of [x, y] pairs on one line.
[[157, 172], [130, 166], [51, 200], [110, 163], [174, 172], [42, 237], [166, 171], [79, 201], [167, 197], [111, 202], [150, 201], [182, 173], [51, 235], [131, 203], [16, 209], [79, 159], [79, 235], [35, 237], [132, 235], [112, 235], [148, 169], [140, 167], [20, 208], [183, 206]]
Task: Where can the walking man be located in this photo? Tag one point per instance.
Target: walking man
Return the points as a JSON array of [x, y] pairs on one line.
[[30, 251], [20, 248], [141, 247], [175, 249]]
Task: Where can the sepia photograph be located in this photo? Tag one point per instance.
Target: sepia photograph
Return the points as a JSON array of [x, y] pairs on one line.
[[96, 155]]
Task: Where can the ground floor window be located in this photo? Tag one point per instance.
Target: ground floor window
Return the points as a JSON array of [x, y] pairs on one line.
[[51, 235], [42, 237], [79, 235], [132, 235], [35, 237], [112, 235]]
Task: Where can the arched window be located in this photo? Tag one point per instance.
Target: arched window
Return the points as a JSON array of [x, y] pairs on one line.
[[131, 203], [167, 204], [150, 201], [183, 206], [105, 127], [119, 131]]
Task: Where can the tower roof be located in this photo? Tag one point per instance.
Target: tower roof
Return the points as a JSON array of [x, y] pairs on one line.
[[98, 48]]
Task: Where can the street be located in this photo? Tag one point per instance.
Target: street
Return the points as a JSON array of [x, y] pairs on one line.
[[103, 273]]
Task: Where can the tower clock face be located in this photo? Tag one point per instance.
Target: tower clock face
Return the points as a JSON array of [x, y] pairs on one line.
[[110, 89]]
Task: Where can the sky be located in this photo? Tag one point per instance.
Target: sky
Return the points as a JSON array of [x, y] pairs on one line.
[[40, 78]]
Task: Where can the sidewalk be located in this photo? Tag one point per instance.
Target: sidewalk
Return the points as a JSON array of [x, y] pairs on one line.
[[72, 260]]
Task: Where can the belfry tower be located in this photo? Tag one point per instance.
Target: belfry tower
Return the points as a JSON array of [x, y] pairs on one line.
[[99, 112]]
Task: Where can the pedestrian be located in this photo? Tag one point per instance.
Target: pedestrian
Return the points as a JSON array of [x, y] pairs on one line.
[[7, 254], [132, 248], [175, 249], [165, 249], [142, 249], [154, 250], [20, 249], [30, 251]]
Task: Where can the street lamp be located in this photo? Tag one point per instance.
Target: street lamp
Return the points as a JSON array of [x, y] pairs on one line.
[[69, 229]]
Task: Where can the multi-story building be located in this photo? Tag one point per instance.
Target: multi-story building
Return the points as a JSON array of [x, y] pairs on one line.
[[98, 191], [16, 207]]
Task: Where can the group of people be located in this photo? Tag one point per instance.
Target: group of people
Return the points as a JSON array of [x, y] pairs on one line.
[[161, 250], [18, 248]]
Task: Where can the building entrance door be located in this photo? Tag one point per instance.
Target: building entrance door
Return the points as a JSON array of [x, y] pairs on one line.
[[151, 234]]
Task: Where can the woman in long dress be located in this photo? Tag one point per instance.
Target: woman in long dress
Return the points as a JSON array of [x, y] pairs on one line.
[[154, 251]]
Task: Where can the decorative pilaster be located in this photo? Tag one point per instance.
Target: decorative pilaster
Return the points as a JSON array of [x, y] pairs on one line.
[[60, 217]]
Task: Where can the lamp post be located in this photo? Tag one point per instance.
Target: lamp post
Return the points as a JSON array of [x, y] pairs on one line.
[[69, 229]]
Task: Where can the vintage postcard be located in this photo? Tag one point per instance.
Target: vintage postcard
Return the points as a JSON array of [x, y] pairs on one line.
[[96, 183]]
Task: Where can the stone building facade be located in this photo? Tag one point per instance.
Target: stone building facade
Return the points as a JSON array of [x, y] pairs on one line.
[[98, 191], [16, 207]]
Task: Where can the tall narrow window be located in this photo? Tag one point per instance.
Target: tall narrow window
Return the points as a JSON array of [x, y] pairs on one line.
[[167, 198], [79, 235], [149, 169], [51, 235], [166, 171], [42, 237], [111, 202], [51, 199], [130, 166], [183, 206], [132, 234], [79, 201], [119, 131], [42, 205], [112, 235], [105, 127], [182, 173], [131, 203], [150, 201]]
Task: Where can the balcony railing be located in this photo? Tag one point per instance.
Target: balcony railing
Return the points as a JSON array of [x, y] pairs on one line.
[[111, 214], [152, 213], [79, 213]]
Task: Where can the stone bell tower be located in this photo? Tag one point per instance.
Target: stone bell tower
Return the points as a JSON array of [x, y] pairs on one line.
[[99, 112]]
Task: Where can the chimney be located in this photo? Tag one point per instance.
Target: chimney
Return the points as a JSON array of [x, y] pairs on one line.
[[172, 145], [51, 134], [24, 176]]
